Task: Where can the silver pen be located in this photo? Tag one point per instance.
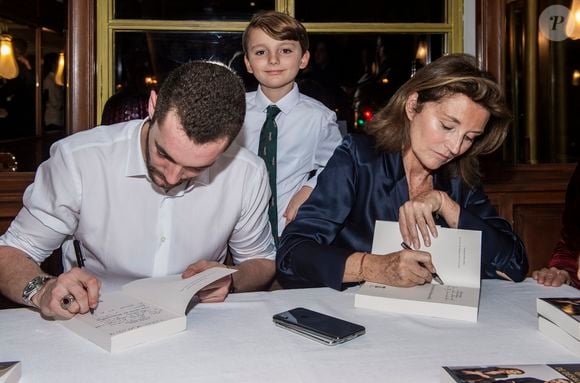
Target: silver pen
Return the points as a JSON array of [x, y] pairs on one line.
[[435, 276]]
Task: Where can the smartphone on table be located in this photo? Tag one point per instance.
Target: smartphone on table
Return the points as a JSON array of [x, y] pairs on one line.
[[319, 327]]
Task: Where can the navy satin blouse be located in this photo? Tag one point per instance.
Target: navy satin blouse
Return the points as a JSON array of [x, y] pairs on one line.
[[360, 185]]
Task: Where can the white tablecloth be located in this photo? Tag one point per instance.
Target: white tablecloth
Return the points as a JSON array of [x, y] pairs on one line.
[[236, 341]]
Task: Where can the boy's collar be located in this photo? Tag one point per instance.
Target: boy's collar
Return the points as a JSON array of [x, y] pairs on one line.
[[285, 104]]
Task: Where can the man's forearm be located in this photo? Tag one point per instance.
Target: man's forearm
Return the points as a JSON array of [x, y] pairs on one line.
[[16, 270], [254, 274]]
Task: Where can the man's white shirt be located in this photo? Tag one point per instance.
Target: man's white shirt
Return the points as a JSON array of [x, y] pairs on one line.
[[95, 186]]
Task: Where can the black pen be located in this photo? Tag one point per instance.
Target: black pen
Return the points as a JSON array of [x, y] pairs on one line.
[[435, 276], [80, 260]]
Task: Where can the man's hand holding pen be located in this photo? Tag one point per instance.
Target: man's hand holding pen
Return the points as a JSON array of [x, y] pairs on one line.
[[83, 286]]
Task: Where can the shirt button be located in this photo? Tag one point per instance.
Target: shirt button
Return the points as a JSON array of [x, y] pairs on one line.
[[163, 239]]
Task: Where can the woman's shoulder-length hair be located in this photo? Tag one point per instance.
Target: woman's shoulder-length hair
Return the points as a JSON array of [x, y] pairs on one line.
[[449, 75]]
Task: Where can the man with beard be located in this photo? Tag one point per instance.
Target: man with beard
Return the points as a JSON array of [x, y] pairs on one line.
[[166, 195]]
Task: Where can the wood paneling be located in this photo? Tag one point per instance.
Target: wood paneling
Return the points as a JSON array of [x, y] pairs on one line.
[[539, 228], [81, 97], [12, 186], [531, 198], [490, 24]]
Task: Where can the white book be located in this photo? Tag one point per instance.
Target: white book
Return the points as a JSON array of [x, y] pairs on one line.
[[144, 310], [456, 254], [557, 334], [10, 372], [564, 312], [511, 373]]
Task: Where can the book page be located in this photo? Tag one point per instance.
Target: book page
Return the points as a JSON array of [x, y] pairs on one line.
[[173, 292], [118, 313], [455, 253], [435, 293]]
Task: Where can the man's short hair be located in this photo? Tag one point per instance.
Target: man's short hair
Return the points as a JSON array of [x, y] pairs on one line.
[[207, 97]]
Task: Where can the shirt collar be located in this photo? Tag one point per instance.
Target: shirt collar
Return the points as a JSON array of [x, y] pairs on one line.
[[285, 104], [135, 161]]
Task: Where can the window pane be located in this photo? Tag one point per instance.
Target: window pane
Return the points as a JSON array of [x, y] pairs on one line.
[[349, 73], [154, 54], [356, 74], [231, 10], [18, 98], [371, 11]]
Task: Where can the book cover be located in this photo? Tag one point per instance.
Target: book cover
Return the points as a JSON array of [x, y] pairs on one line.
[[144, 310], [552, 331], [523, 373], [10, 372], [456, 254], [564, 312]]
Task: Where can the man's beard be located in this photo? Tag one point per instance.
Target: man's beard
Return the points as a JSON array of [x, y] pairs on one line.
[[153, 172]]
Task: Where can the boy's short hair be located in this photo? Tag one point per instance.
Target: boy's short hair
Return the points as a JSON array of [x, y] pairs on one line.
[[279, 26]]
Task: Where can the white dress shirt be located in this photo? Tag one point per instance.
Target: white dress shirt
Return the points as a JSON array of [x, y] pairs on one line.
[[95, 186], [307, 136]]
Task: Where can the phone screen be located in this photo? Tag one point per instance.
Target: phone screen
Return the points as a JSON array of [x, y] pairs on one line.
[[320, 327]]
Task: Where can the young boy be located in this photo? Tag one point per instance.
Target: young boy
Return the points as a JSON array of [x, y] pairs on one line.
[[305, 131]]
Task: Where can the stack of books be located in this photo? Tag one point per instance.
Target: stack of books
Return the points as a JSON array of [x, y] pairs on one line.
[[10, 372], [558, 318]]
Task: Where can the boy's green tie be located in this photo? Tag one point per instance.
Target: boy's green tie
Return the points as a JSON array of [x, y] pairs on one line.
[[267, 151]]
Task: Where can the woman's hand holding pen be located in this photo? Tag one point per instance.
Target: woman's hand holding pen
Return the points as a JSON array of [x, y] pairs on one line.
[[83, 286], [401, 269]]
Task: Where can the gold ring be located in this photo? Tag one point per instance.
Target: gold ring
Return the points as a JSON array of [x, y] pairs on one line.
[[67, 301]]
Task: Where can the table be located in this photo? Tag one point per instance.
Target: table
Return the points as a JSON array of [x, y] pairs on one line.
[[236, 341]]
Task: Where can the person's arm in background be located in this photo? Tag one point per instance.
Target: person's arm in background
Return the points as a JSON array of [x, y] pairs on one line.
[[328, 140], [562, 269], [563, 266]]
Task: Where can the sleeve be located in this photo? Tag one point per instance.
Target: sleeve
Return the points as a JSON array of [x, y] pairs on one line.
[[501, 249], [306, 256], [252, 235], [571, 214], [51, 208], [329, 138], [565, 255], [565, 258]]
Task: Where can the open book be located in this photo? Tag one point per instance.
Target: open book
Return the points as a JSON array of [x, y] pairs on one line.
[[10, 372], [455, 253], [511, 373], [144, 310]]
